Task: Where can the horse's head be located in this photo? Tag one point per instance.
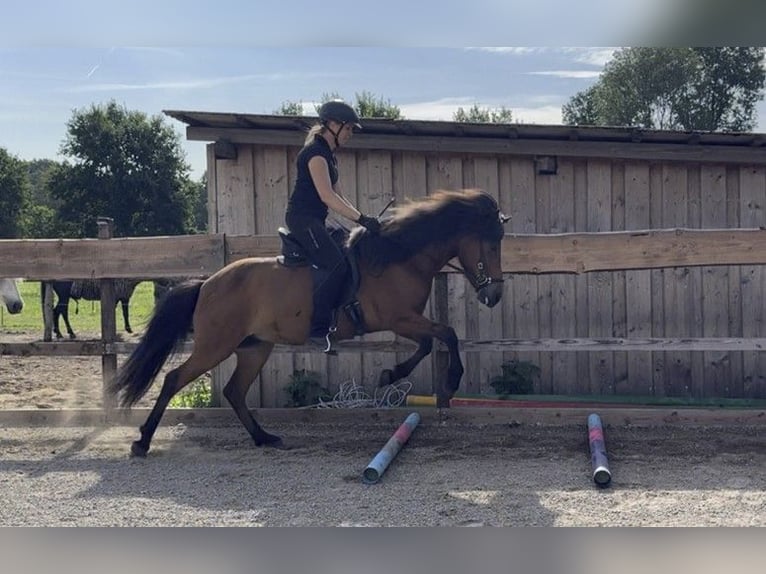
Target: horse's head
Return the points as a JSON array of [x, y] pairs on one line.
[[479, 254], [10, 296]]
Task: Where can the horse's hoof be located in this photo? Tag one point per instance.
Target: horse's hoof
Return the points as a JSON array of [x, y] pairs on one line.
[[386, 378], [137, 450], [271, 441], [442, 402]]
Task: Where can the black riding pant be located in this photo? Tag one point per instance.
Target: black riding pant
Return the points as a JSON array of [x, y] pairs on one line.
[[326, 255]]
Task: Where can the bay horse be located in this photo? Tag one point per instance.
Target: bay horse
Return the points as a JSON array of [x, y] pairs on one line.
[[10, 296], [252, 304]]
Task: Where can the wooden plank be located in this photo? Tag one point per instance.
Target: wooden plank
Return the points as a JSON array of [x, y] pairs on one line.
[[485, 323], [638, 292], [354, 347], [272, 189], [544, 289], [346, 368], [657, 281], [676, 283], [516, 147], [752, 198], [715, 283], [582, 382], [694, 297], [446, 172], [374, 189], [523, 253], [599, 201], [236, 215], [410, 182], [524, 288], [124, 257], [619, 311], [735, 291]]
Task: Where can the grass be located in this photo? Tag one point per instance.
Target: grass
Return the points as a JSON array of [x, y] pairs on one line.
[[87, 319]]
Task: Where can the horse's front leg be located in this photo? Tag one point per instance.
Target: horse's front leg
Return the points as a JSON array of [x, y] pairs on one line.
[[401, 370], [423, 330]]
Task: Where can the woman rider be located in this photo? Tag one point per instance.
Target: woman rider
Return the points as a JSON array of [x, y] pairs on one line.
[[317, 190]]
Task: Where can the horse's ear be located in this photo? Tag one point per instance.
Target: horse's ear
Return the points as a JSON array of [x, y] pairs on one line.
[[504, 218]]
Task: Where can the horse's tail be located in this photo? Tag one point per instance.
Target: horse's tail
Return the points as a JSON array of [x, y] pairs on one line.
[[171, 321]]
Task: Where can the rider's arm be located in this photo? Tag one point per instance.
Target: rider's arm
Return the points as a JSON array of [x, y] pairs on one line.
[[320, 174]]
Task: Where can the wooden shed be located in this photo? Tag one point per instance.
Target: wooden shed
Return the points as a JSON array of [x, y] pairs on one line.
[[550, 179]]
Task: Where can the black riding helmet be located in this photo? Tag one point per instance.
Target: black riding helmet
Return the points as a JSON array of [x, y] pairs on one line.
[[339, 111]]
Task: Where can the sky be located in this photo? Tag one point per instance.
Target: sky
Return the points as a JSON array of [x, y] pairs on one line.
[[250, 57]]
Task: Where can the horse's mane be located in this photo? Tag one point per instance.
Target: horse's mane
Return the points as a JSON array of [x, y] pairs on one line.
[[439, 217]]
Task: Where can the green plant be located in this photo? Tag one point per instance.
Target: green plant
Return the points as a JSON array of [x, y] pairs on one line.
[[196, 394], [305, 388], [517, 378]]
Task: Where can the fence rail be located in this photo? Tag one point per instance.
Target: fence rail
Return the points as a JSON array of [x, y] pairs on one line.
[[201, 255]]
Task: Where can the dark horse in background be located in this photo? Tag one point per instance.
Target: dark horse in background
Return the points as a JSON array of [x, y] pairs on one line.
[[252, 304], [89, 290]]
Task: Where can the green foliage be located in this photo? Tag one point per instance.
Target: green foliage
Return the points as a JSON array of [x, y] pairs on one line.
[[289, 108], [14, 194], [305, 388], [517, 379], [476, 114], [711, 89], [368, 105], [197, 394], [127, 166], [85, 316]]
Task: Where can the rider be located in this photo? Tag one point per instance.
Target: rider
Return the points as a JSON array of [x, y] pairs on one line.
[[316, 189]]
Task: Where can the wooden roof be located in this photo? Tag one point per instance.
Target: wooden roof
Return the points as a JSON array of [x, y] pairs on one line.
[[625, 142]]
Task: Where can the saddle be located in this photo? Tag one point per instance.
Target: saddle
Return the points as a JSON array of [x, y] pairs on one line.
[[293, 255]]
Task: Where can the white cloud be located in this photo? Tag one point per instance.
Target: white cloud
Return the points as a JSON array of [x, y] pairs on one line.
[[568, 73], [545, 115], [201, 83]]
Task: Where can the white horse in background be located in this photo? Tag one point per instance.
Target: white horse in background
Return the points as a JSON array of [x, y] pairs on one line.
[[10, 296]]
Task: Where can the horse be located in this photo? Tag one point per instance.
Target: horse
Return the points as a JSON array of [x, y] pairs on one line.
[[252, 304], [89, 290], [10, 295]]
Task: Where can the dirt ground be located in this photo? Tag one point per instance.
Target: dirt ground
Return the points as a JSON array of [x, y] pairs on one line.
[[453, 472], [54, 382]]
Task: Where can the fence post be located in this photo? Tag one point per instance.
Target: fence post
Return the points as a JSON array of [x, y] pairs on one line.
[[108, 321], [47, 295]]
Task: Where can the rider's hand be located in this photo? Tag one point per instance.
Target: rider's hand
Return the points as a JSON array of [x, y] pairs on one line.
[[371, 223]]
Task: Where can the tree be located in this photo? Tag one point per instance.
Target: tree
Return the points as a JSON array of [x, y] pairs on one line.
[[712, 89], [289, 108], [14, 194], [368, 105], [126, 166], [476, 114]]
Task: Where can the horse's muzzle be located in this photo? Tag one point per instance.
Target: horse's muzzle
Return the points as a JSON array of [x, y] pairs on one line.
[[490, 294], [15, 307]]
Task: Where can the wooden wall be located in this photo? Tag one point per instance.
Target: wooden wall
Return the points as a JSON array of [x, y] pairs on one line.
[[249, 195]]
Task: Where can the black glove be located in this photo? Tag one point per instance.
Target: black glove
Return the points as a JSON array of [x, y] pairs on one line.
[[371, 223]]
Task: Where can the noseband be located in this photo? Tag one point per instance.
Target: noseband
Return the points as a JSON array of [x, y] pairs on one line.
[[480, 279]]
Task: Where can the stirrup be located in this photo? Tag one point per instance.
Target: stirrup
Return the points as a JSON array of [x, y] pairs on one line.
[[329, 350]]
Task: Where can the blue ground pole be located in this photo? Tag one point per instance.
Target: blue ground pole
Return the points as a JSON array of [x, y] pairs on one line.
[[378, 465], [598, 460]]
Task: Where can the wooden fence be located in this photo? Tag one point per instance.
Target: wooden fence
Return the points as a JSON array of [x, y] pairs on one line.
[[566, 253]]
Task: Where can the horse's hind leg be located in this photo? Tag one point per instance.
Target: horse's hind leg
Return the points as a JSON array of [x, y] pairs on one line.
[[125, 316], [250, 360], [175, 380]]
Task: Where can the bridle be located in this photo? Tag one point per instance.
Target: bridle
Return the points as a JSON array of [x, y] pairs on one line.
[[480, 279]]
